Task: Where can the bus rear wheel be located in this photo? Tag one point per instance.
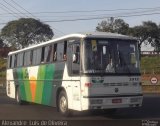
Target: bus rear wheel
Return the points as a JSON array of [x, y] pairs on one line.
[[63, 104]]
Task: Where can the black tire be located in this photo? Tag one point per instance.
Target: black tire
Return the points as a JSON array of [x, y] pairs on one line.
[[63, 104]]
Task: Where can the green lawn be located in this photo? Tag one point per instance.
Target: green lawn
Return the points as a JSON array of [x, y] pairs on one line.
[[3, 67], [150, 65]]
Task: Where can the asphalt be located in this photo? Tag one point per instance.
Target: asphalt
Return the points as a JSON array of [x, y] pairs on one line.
[[10, 110]]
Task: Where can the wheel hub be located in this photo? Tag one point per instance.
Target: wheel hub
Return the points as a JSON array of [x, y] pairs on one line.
[[63, 104]]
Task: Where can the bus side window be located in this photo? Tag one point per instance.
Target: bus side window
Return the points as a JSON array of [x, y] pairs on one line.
[[75, 55], [60, 51], [34, 57], [10, 62], [38, 59], [55, 52], [20, 59], [15, 60], [12, 65], [65, 51], [27, 58], [31, 57], [42, 54], [48, 53], [75, 59]]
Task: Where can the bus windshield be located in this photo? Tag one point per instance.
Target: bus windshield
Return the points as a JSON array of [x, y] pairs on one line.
[[111, 56]]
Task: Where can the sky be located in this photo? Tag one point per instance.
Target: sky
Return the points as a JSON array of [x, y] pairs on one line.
[[49, 11]]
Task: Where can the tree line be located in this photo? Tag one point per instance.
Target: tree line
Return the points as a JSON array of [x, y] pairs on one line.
[[24, 32], [148, 32]]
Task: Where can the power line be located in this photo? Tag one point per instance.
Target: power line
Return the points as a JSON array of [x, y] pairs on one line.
[[8, 10], [153, 8], [150, 11], [23, 8], [13, 7], [105, 14], [59, 31], [86, 11], [103, 17], [122, 13], [94, 18]]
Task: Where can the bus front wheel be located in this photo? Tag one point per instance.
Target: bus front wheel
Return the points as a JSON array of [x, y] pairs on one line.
[[63, 104]]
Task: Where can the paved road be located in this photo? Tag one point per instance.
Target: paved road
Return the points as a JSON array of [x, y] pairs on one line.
[[9, 110]]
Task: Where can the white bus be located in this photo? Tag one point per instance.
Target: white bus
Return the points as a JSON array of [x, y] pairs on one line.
[[77, 72]]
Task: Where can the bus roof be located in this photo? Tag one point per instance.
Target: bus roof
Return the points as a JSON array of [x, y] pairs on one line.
[[79, 35], [107, 35]]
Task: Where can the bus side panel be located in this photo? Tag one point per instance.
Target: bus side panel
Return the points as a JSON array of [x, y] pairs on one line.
[[37, 84], [48, 84], [23, 81], [33, 83], [48, 76], [68, 87], [21, 74], [72, 87], [53, 77], [57, 81], [19, 82], [41, 83]]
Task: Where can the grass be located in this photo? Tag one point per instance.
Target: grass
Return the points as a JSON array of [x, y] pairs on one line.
[[3, 68], [150, 65]]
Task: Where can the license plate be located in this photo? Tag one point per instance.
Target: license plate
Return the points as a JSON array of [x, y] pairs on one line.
[[116, 100]]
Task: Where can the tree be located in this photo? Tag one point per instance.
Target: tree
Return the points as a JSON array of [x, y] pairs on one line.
[[2, 44], [113, 25], [148, 32], [25, 31]]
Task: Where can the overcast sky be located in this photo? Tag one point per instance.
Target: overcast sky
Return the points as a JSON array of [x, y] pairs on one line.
[[49, 11]]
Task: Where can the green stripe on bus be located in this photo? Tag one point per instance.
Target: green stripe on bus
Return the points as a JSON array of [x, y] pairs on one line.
[[48, 84], [20, 78], [27, 84]]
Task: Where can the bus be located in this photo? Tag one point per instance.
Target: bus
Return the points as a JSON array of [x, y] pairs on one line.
[[82, 71]]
